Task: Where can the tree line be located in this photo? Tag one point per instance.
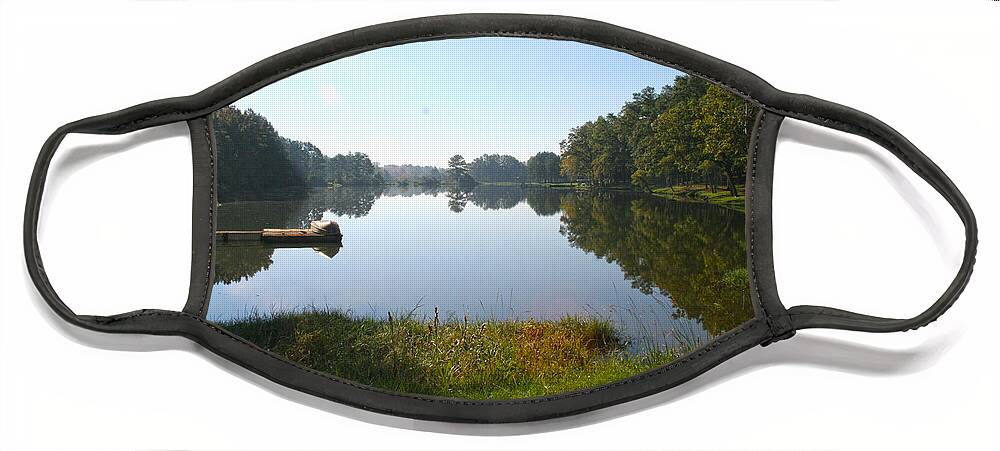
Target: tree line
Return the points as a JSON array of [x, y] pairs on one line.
[[254, 161], [543, 167], [692, 131], [689, 132]]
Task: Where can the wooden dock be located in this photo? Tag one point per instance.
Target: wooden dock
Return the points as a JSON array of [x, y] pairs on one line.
[[277, 236], [318, 232]]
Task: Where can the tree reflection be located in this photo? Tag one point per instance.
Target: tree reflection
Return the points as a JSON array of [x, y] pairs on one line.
[[239, 262], [295, 210], [492, 197], [411, 190], [487, 197], [544, 201], [353, 202], [457, 199], [695, 253]]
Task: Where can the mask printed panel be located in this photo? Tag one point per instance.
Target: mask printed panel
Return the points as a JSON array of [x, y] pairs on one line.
[[483, 218]]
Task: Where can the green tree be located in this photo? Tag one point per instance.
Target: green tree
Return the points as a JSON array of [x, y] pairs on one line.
[[613, 162], [543, 167], [636, 128], [252, 157], [681, 153], [578, 155], [498, 168], [458, 171], [724, 127], [255, 162]]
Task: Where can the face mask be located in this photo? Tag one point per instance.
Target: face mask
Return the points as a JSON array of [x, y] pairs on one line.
[[486, 217]]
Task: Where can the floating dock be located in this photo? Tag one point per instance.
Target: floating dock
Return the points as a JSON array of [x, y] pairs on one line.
[[318, 232]]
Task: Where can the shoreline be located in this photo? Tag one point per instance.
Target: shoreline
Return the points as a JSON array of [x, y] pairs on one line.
[[693, 193], [697, 193]]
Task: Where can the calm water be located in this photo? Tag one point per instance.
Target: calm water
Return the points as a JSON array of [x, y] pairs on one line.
[[663, 272]]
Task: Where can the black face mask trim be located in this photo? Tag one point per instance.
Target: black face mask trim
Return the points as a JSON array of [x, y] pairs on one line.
[[772, 322], [203, 204]]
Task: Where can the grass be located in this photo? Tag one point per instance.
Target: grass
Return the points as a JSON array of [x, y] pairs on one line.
[[702, 193], [482, 359]]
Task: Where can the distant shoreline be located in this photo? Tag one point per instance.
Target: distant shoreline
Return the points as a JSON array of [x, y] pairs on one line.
[[694, 193], [699, 193]]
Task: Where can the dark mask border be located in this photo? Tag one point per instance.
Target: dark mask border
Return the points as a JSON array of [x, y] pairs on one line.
[[772, 322]]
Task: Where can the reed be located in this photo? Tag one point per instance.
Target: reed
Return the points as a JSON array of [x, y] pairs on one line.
[[460, 357]]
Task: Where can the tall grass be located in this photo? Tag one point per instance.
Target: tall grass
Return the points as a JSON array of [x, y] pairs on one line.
[[473, 359]]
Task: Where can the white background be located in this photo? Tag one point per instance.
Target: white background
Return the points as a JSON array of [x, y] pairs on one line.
[[853, 229]]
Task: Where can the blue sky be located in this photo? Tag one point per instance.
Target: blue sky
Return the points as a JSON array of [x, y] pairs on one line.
[[421, 103]]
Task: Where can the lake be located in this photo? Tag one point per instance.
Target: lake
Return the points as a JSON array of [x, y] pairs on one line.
[[663, 272]]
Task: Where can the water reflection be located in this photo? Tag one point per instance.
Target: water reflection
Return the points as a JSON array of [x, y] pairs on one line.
[[291, 209], [693, 252], [457, 200], [238, 261], [519, 252]]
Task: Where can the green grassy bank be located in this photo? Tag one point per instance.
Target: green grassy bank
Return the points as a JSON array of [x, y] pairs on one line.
[[702, 193], [462, 358]]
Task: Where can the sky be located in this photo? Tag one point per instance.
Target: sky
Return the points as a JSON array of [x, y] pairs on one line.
[[421, 103]]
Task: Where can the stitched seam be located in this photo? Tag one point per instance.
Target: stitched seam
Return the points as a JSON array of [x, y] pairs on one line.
[[753, 223], [827, 312], [718, 342], [768, 316], [211, 220]]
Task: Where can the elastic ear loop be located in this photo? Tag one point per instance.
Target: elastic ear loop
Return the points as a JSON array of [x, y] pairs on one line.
[[121, 122], [861, 124], [32, 210]]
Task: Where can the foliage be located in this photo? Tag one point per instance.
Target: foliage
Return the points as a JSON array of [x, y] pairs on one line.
[[251, 155], [458, 171], [498, 168], [543, 167], [352, 169], [690, 131], [254, 160], [724, 129]]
